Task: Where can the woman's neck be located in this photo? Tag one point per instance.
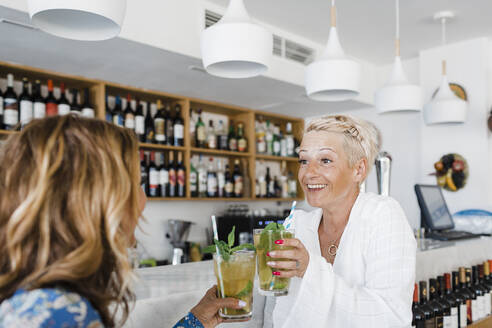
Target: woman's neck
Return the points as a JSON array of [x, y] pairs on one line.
[[336, 216]]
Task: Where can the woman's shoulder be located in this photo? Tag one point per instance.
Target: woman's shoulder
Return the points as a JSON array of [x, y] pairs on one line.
[[48, 307], [381, 209]]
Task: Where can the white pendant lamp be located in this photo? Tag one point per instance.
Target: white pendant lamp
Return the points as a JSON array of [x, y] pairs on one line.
[[398, 94], [86, 20], [445, 107], [334, 76], [235, 47]]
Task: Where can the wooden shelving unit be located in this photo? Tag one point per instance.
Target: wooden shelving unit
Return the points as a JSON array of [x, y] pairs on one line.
[[100, 89]]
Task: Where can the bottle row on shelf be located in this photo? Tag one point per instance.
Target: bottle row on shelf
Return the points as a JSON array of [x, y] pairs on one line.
[[282, 186], [161, 178], [18, 110], [271, 141], [217, 137], [454, 300], [152, 123]]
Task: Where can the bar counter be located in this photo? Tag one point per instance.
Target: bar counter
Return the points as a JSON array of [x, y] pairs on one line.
[[165, 294]]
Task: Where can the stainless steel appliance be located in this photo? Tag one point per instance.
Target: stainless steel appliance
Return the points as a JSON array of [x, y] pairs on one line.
[[178, 231]]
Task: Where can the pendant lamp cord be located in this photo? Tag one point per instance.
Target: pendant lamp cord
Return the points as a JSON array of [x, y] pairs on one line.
[[443, 41], [397, 41], [333, 13]]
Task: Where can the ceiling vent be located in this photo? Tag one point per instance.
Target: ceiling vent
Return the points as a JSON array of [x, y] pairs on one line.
[[281, 47]]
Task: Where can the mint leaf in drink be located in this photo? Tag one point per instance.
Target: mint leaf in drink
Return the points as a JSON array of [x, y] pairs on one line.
[[211, 249], [230, 237], [246, 290], [243, 246], [271, 226]]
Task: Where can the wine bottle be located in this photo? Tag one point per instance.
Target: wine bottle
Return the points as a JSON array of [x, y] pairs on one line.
[[202, 178], [193, 181], [129, 116], [446, 295], [164, 177], [428, 311], [144, 173], [470, 297], [10, 105], [487, 290], [269, 138], [178, 127], [169, 126], [140, 122], [25, 104], [211, 179], [480, 292], [487, 280], [108, 112], [118, 116], [229, 183], [269, 184], [238, 180], [63, 104], [447, 314], [221, 181], [232, 140], [154, 178], [160, 124], [172, 176], [87, 108], [211, 137], [39, 106], [276, 140], [200, 134], [418, 316], [181, 176], [51, 102], [222, 136], [149, 126], [74, 106], [460, 298], [242, 143]]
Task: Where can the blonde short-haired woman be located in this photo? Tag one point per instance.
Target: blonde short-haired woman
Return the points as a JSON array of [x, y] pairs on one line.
[[353, 260], [69, 204]]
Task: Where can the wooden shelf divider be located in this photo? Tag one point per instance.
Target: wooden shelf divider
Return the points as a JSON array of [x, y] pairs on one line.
[[100, 89]]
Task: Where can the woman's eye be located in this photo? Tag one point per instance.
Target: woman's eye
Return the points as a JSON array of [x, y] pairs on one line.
[[302, 161], [326, 161]]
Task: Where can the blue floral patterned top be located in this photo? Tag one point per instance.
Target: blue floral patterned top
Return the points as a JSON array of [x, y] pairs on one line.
[[57, 308]]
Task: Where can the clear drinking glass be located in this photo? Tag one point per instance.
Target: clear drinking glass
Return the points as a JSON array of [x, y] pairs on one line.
[[264, 240], [235, 278]]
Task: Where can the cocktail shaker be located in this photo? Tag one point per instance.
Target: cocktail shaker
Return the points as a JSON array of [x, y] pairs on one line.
[[383, 172]]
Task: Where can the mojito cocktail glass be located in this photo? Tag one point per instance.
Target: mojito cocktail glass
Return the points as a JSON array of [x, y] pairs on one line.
[[264, 240], [235, 278]]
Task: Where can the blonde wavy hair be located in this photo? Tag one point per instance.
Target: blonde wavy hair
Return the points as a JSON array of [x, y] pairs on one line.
[[361, 138], [68, 205]]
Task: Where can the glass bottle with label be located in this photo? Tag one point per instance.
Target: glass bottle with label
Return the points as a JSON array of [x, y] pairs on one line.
[[262, 184], [163, 177], [418, 316], [211, 137], [10, 105], [87, 108], [74, 106], [238, 180], [108, 111], [445, 306], [144, 173], [212, 183], [428, 311], [276, 140], [172, 176], [193, 180], [140, 122], [231, 138], [269, 183], [63, 104], [460, 299], [149, 126], [169, 125], [25, 104], [222, 136], [129, 114], [289, 137], [242, 143], [487, 281], [51, 102], [160, 124], [444, 283], [118, 116], [178, 127], [284, 184], [154, 178], [202, 178], [471, 298], [229, 183], [200, 133], [269, 138], [283, 144], [181, 176], [292, 185], [480, 291], [260, 137], [220, 179], [39, 106]]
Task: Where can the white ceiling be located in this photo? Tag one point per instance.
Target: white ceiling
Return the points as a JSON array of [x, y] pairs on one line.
[[366, 27]]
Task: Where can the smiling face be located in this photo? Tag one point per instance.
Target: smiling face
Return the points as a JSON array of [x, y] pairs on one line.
[[325, 173]]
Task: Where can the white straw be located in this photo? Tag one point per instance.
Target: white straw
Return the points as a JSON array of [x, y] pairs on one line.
[[218, 257]]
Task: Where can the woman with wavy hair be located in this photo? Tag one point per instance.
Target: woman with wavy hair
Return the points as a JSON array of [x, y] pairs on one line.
[[69, 204]]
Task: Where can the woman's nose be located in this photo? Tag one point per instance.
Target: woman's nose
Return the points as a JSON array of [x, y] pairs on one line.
[[312, 169]]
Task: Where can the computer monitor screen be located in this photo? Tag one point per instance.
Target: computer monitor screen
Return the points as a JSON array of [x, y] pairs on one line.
[[433, 207]]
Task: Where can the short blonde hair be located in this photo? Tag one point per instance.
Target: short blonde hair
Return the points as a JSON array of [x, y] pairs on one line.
[[68, 202], [361, 138]]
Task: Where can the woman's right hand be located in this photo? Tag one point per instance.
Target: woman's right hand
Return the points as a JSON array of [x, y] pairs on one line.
[[207, 310]]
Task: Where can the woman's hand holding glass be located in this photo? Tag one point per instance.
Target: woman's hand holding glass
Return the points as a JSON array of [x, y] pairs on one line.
[[293, 263]]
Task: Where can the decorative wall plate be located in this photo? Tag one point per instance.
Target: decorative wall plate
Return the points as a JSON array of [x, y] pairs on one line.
[[451, 172]]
